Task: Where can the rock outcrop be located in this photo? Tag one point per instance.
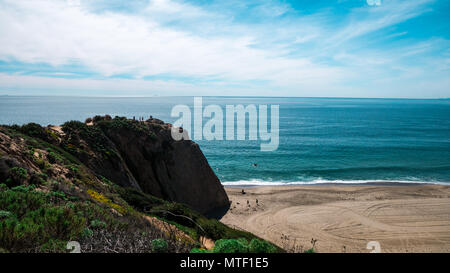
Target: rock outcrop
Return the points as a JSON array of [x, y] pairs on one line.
[[173, 170], [141, 155]]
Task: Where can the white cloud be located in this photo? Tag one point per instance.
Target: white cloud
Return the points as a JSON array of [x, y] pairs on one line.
[[162, 39], [112, 43]]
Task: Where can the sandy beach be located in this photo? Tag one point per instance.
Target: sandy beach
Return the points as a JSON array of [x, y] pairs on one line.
[[344, 218]]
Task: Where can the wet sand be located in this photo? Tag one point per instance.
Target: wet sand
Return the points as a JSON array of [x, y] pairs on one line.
[[345, 218]]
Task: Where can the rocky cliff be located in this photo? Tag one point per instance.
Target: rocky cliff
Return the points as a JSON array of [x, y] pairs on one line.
[[129, 153]]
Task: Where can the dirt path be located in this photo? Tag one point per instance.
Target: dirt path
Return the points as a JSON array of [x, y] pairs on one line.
[[170, 229]]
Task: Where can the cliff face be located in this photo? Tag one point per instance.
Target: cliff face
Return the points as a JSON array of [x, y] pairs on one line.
[[142, 155], [173, 170]]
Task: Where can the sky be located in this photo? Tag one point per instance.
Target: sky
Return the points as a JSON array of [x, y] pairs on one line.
[[303, 48]]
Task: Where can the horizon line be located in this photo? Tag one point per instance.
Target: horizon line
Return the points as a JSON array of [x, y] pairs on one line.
[[173, 96]]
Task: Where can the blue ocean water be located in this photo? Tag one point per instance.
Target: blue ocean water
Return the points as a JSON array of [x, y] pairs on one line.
[[321, 139]]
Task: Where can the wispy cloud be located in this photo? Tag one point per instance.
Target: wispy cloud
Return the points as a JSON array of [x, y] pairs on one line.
[[233, 47]]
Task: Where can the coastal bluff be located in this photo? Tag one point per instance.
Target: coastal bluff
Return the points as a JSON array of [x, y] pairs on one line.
[[141, 155]]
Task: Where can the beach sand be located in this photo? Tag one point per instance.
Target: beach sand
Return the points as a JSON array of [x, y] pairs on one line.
[[344, 218]]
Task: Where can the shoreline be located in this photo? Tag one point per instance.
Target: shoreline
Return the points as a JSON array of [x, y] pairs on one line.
[[368, 183], [344, 218]]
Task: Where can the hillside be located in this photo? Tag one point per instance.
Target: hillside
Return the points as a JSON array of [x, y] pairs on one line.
[[113, 185]]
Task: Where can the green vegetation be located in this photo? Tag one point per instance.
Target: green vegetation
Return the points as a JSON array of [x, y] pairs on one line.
[[50, 198], [179, 214], [34, 221], [201, 225], [17, 176], [98, 224], [37, 131], [200, 250], [123, 123], [160, 246], [77, 131], [311, 250], [230, 246], [240, 245], [5, 214], [42, 211], [261, 246], [194, 223]]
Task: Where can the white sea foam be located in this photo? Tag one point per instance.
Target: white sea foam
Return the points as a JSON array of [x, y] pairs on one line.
[[256, 182]]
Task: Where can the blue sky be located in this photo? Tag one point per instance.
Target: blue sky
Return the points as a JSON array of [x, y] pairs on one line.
[[340, 48]]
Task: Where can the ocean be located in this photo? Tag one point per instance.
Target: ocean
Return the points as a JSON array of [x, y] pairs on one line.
[[321, 140]]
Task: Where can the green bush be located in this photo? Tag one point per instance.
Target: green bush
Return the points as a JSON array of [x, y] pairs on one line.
[[35, 130], [17, 176], [73, 125], [240, 245], [138, 199], [159, 246], [60, 222], [5, 214], [20, 200], [261, 246], [53, 158], [200, 250], [87, 232], [23, 188], [97, 224], [311, 250], [34, 220], [58, 194], [230, 246], [53, 246]]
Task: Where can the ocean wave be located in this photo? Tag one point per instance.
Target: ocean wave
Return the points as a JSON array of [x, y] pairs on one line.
[[256, 182]]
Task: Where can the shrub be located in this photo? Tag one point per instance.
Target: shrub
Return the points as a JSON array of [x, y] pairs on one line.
[[38, 178], [200, 250], [230, 246], [87, 232], [240, 245], [35, 130], [77, 130], [23, 188], [17, 176], [15, 235], [261, 246], [97, 118], [59, 222], [53, 157], [73, 125], [159, 246], [98, 224], [36, 220], [53, 246], [105, 200], [5, 214], [19, 202], [58, 195], [138, 199]]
